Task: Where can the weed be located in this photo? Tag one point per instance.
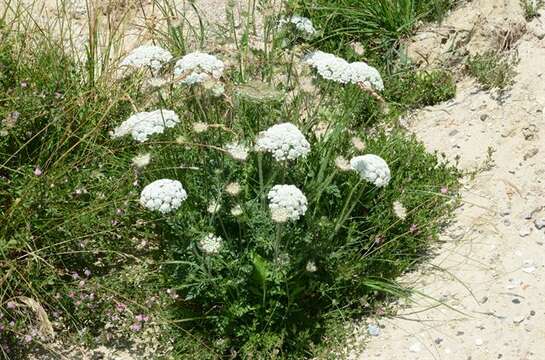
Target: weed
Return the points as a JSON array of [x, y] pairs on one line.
[[492, 70], [531, 8]]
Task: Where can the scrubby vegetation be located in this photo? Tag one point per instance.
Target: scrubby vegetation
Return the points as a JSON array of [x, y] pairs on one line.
[[220, 262], [492, 70]]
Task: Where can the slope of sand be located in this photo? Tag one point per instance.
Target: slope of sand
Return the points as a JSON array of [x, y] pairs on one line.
[[489, 274]]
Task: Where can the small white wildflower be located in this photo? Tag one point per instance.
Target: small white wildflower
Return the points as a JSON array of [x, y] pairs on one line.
[[334, 68], [141, 161], [342, 164], [198, 67], [301, 23], [213, 207], [150, 56], [200, 127], [286, 202], [284, 141], [236, 211], [311, 266], [156, 82], [143, 124], [399, 210], [210, 244], [232, 188], [163, 195], [361, 73], [372, 168], [358, 143], [238, 152], [329, 66]]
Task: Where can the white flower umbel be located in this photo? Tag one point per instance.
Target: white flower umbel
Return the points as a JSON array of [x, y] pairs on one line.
[[163, 195], [334, 68], [361, 73], [198, 67], [233, 188], [210, 244], [286, 203], [147, 56], [284, 141], [143, 124], [372, 168], [330, 67], [237, 151], [236, 210], [301, 23], [141, 161], [311, 267], [342, 164], [399, 210]]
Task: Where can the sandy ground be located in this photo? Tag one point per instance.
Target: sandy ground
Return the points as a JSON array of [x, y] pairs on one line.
[[485, 290]]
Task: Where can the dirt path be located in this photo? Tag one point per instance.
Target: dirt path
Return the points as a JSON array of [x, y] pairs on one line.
[[489, 272]]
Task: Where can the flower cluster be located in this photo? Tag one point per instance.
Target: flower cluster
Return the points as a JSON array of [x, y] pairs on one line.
[[334, 68], [143, 124], [150, 56], [163, 195], [237, 151], [210, 244], [301, 23], [372, 168], [198, 67], [329, 66], [284, 141], [286, 202]]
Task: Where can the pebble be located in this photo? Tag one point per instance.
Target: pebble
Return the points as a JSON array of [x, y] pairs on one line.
[[415, 348], [373, 330], [438, 340], [479, 342], [518, 319], [539, 223], [515, 301], [528, 267], [524, 232]]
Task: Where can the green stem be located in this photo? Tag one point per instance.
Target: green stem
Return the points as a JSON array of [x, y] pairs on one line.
[[347, 209]]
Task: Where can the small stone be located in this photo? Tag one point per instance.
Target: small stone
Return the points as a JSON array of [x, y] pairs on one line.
[[515, 301], [438, 340], [484, 117], [532, 313], [484, 299], [459, 333], [479, 342], [373, 330], [505, 212], [453, 132], [415, 348], [518, 319], [530, 153], [524, 232], [539, 223]]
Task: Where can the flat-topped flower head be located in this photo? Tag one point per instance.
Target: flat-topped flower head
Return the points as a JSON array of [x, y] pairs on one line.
[[163, 195], [237, 151], [147, 56], [330, 67], [144, 124], [284, 141], [361, 73], [198, 67], [301, 24], [287, 203], [372, 168], [334, 68], [210, 244]]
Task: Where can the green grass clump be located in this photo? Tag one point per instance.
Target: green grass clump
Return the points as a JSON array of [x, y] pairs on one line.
[[492, 70], [379, 25], [415, 89], [531, 8], [75, 238]]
